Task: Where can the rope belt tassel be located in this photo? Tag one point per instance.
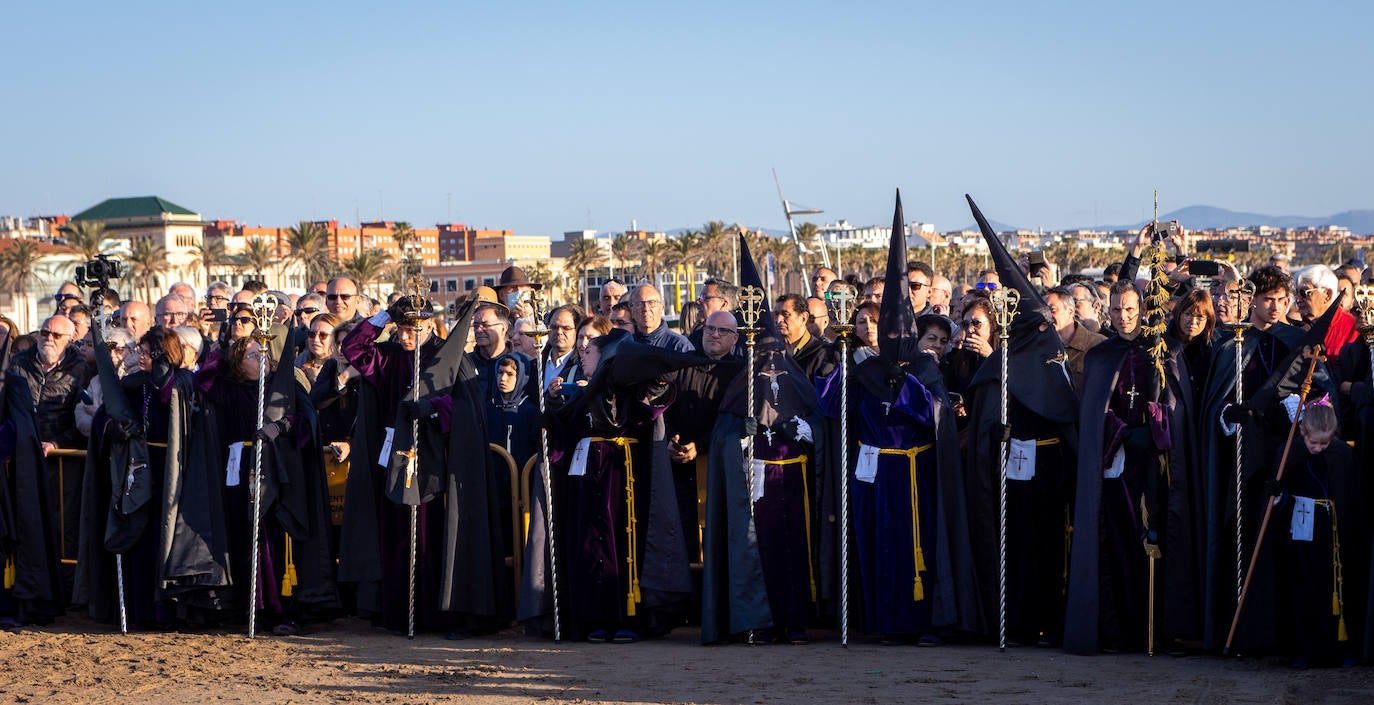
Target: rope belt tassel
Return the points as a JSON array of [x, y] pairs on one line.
[[918, 591], [11, 572], [288, 574], [1337, 573], [632, 597]]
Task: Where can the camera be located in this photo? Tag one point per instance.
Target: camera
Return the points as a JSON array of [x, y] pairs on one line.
[[1204, 268], [1165, 231], [99, 271]]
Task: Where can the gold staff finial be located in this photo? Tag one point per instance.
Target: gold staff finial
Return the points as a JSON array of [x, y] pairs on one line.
[[841, 305]]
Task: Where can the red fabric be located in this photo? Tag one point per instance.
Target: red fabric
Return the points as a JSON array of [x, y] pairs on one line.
[[1343, 330]]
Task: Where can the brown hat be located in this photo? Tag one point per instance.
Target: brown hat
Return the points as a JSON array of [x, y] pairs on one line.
[[485, 293], [515, 276]]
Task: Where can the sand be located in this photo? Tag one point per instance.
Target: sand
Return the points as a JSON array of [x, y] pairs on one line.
[[349, 661]]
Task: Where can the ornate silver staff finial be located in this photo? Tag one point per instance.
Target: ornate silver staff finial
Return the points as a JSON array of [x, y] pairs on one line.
[[263, 309], [841, 305]]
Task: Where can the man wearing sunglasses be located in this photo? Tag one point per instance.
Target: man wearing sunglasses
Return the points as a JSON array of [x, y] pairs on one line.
[[308, 307], [1317, 287], [342, 299], [919, 277], [54, 373]]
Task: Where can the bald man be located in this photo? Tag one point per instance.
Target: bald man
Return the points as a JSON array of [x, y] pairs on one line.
[[646, 312], [137, 317]]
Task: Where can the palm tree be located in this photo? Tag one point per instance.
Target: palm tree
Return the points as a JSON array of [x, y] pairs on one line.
[[17, 266], [714, 245], [651, 254], [86, 237], [620, 250], [209, 253], [309, 245], [584, 254], [259, 255], [147, 262], [405, 238], [367, 266]]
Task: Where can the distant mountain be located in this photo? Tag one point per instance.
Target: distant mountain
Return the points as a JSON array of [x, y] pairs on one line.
[[1360, 222]]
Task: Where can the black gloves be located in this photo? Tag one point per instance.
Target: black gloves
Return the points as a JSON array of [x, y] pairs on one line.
[[1136, 440], [749, 427], [270, 431], [1237, 414], [418, 409], [123, 431], [655, 390]]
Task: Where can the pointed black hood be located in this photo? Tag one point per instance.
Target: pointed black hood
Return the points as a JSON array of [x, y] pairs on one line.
[[896, 320], [1007, 269], [448, 365]]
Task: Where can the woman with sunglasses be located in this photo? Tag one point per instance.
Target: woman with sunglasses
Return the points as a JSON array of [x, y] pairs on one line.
[[319, 345], [975, 340]]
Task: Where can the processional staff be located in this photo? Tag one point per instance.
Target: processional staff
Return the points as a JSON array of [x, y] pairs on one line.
[[264, 308], [1243, 295], [1005, 301], [419, 311], [841, 305], [751, 300], [540, 333]]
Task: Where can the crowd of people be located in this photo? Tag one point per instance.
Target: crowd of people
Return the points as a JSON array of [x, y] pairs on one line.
[[696, 475]]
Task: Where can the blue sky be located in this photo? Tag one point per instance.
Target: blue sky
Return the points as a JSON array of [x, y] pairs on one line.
[[549, 116]]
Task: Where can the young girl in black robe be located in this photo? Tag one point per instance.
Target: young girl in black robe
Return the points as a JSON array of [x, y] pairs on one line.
[[1318, 512]]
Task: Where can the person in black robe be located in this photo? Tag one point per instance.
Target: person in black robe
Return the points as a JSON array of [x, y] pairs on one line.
[[1317, 515], [1137, 493], [624, 571], [1042, 442], [375, 536], [1268, 343], [458, 488], [334, 396], [32, 589]]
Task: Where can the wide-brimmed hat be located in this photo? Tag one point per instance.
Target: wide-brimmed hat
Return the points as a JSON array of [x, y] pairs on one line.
[[515, 276]]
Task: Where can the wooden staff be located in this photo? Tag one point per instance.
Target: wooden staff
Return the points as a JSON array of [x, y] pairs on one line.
[[1314, 354]]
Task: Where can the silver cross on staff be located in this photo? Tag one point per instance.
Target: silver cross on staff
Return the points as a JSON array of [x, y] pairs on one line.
[[841, 305], [751, 300], [263, 309]]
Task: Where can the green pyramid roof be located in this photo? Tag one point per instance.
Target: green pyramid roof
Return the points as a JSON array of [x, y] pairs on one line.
[[150, 207]]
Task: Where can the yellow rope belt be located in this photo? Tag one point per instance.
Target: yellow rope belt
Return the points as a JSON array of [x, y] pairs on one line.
[[918, 589], [10, 572], [806, 507], [1048, 442], [288, 573], [1337, 574], [633, 596], [153, 444]]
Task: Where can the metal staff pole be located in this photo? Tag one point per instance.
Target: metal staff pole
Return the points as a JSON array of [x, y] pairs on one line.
[[1004, 304], [842, 305], [1315, 355], [540, 333], [751, 300], [1243, 295], [98, 297], [264, 306], [418, 313]]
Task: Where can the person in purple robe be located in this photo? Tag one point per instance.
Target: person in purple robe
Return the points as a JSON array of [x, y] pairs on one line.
[[374, 545]]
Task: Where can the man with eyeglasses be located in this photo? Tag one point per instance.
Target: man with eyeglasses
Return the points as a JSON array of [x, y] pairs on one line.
[[54, 373], [1077, 339], [646, 312], [1317, 287], [819, 325], [560, 355], [691, 418], [172, 311], [341, 298], [716, 295], [620, 317]]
